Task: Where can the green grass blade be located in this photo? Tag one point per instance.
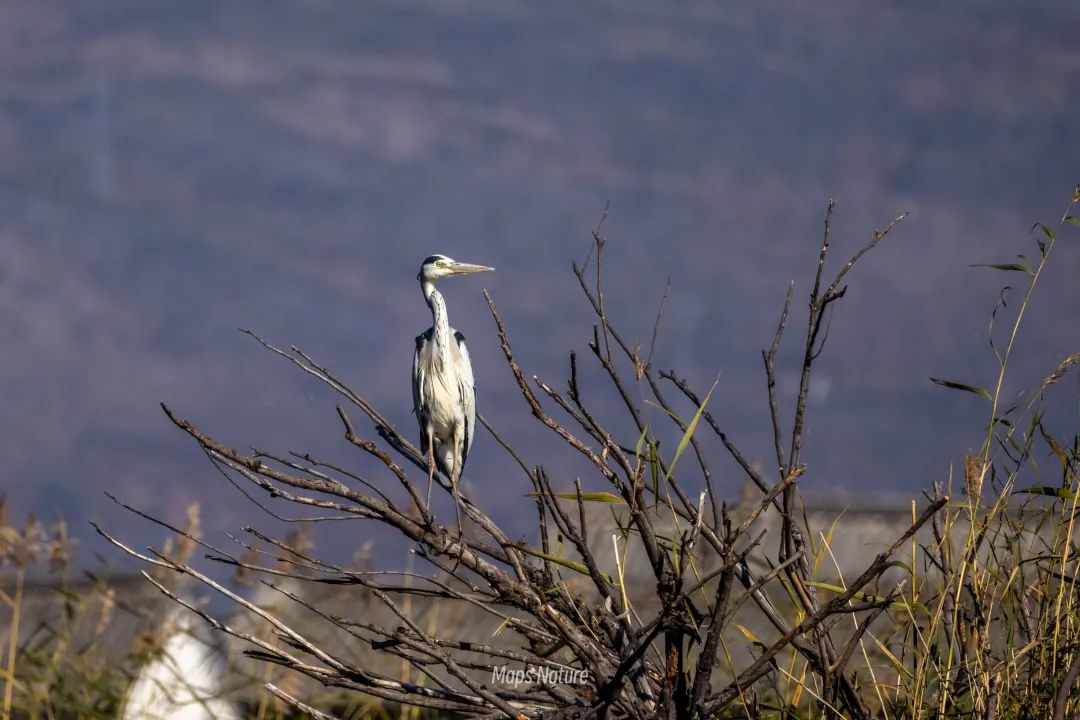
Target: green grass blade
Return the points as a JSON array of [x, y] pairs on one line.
[[1013, 267], [571, 564], [961, 386], [690, 428], [1060, 492], [866, 597], [604, 497]]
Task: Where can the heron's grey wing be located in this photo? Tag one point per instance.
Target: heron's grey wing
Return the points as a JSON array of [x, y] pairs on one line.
[[423, 348], [467, 393]]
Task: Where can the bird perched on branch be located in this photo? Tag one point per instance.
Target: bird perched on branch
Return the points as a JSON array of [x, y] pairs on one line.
[[444, 396]]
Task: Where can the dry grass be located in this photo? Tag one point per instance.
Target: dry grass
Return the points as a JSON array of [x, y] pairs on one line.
[[980, 617]]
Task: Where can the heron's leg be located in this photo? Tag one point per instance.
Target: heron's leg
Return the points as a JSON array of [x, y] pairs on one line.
[[454, 489], [455, 476], [431, 463]]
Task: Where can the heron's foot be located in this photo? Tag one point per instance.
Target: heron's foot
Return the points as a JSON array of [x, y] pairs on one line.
[[451, 540], [460, 552]]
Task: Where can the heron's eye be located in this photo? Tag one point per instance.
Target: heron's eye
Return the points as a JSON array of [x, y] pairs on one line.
[[440, 264]]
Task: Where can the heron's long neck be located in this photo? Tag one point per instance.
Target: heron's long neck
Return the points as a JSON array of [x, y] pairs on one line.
[[440, 321]]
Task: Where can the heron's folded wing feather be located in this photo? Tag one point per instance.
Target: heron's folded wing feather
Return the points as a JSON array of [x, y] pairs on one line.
[[467, 393], [422, 347]]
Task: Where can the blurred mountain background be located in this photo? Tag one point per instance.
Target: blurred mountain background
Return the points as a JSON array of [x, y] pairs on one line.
[[170, 172]]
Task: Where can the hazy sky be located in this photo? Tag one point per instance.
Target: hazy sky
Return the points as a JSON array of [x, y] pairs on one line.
[[170, 172]]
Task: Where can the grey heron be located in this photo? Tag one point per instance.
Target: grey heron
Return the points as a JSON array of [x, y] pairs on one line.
[[444, 395]]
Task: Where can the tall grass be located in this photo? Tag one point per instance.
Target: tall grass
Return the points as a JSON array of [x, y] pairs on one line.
[[990, 626], [46, 672]]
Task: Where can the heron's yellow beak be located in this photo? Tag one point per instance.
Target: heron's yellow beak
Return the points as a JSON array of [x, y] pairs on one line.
[[467, 269]]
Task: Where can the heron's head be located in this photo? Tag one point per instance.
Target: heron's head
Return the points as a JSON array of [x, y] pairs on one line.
[[437, 267]]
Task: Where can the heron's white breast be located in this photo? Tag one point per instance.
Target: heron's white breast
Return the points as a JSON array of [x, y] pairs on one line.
[[444, 405]]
